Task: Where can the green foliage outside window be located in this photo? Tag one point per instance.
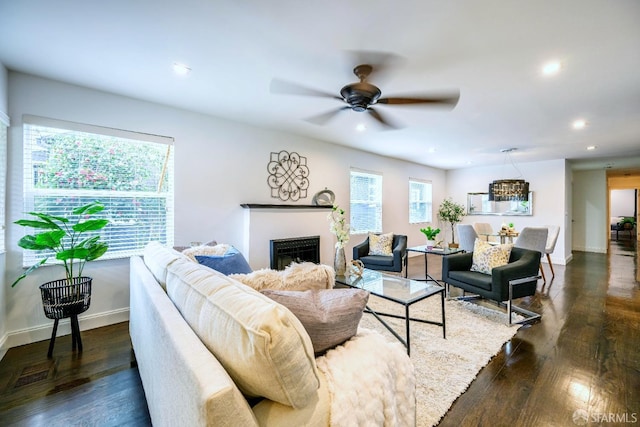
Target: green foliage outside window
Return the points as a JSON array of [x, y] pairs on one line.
[[89, 163]]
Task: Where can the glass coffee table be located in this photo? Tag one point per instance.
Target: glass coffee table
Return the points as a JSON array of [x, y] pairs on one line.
[[400, 290]]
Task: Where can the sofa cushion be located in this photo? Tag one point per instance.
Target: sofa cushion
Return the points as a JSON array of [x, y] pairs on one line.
[[487, 256], [157, 258], [261, 344], [231, 262], [381, 244], [296, 277], [330, 317]]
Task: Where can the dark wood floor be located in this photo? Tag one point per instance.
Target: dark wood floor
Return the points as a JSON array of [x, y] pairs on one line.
[[583, 356]]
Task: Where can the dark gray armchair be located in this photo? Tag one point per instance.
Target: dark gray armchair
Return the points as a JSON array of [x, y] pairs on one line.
[[516, 279], [393, 262]]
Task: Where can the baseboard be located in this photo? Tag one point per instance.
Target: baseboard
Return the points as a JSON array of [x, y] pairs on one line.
[[598, 250], [3, 346], [43, 332]]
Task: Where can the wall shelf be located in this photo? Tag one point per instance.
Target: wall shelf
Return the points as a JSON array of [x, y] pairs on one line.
[[270, 206]]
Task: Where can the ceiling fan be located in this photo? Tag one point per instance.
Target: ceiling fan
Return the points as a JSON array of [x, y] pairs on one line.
[[362, 96]]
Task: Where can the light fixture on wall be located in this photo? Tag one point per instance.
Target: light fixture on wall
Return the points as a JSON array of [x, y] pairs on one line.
[[505, 190]]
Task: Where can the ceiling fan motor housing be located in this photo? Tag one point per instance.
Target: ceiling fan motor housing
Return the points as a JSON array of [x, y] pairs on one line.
[[360, 95]]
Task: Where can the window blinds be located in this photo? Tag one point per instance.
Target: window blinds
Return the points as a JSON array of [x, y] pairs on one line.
[[67, 165]]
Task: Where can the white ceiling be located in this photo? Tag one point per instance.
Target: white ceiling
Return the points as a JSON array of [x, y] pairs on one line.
[[491, 50]]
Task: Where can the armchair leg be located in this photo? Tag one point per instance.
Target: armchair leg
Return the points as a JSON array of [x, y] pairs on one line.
[[530, 316], [553, 274]]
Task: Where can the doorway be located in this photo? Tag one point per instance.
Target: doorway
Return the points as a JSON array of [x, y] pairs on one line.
[[623, 203]]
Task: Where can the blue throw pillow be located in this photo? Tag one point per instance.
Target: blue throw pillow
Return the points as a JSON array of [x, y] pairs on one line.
[[231, 262]]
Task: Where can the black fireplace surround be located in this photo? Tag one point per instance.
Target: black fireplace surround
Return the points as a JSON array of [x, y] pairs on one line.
[[297, 249]]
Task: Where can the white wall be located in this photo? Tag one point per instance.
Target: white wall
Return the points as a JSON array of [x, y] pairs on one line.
[[219, 165], [547, 181], [589, 211], [623, 202]]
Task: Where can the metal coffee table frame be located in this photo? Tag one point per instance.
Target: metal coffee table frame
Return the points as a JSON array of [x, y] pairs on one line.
[[425, 250], [370, 275]]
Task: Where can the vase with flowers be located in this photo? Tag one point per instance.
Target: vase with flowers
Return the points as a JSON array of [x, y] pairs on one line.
[[340, 228]]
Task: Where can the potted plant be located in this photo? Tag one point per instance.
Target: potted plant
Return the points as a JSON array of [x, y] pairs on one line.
[[627, 223], [451, 213], [66, 237], [431, 234]]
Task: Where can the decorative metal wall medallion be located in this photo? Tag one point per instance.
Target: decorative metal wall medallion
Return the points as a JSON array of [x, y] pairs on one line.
[[288, 176]]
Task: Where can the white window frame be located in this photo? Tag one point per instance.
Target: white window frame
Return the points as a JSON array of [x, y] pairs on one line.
[[420, 214], [4, 124], [120, 239], [372, 203]]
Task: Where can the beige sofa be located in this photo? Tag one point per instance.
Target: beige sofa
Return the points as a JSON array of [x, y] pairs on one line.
[[207, 345]]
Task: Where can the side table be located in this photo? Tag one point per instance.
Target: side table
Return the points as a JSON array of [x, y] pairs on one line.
[[424, 249]]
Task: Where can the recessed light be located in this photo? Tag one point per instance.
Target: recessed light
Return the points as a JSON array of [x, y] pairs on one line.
[[551, 68], [181, 69], [360, 127], [591, 147], [579, 124]]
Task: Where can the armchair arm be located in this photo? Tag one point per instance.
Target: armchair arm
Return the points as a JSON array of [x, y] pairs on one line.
[[526, 266], [361, 249], [400, 250]]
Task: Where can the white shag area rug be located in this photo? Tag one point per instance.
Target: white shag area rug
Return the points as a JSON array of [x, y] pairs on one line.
[[445, 367]]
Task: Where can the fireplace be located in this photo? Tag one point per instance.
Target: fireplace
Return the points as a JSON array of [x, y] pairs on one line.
[[297, 249]]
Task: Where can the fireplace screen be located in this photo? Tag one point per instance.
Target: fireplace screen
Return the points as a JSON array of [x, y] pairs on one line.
[[298, 249]]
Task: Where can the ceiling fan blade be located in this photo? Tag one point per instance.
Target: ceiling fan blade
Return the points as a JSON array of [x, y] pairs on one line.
[[323, 118], [450, 99], [290, 88], [382, 120]]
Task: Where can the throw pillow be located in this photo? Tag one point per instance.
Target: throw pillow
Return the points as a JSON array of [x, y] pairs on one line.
[[219, 249], [487, 256], [381, 244], [263, 347], [330, 317], [157, 258], [296, 277], [232, 262]]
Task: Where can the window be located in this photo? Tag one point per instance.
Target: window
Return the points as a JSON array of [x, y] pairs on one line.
[[70, 164], [420, 197], [366, 202], [3, 178]]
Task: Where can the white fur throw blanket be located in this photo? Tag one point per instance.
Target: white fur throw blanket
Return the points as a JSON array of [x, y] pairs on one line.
[[380, 392], [296, 277]]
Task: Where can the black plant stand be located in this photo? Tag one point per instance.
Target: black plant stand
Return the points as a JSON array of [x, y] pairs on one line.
[[62, 299]]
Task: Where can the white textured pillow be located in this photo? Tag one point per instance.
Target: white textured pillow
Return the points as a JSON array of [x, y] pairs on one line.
[[262, 345], [296, 277], [218, 249], [381, 244], [487, 256]]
